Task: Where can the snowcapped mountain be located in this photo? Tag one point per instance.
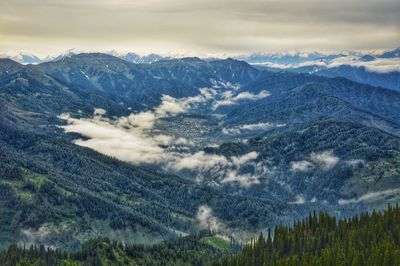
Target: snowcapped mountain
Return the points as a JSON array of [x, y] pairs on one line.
[[376, 68], [285, 58], [57, 57], [138, 59], [274, 60], [127, 56], [298, 59], [22, 57], [29, 58]]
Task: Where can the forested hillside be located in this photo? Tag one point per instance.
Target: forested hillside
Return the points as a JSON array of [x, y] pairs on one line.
[[179, 133], [250, 147], [320, 240], [363, 159], [199, 249]]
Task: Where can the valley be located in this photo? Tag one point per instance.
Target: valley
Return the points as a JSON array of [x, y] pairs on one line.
[[96, 146]]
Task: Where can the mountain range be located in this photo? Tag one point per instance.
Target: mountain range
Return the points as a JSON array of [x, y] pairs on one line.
[[143, 150], [374, 68]]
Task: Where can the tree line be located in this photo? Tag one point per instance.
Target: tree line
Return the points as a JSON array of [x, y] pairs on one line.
[[369, 239]]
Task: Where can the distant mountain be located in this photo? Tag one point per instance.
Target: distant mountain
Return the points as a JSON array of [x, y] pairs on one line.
[[287, 58], [292, 59], [302, 98], [138, 59], [22, 57], [136, 82], [376, 69], [30, 58], [390, 79], [390, 54]]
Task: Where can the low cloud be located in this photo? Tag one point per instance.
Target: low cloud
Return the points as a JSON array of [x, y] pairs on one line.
[[30, 236], [218, 84], [378, 65], [123, 144], [313, 200], [99, 111], [250, 127], [201, 161], [245, 180], [206, 219], [356, 162], [303, 166], [226, 169], [132, 139], [370, 197], [169, 107], [327, 159], [228, 98], [299, 200]]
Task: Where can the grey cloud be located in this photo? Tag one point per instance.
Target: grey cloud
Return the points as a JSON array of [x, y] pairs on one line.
[[203, 26]]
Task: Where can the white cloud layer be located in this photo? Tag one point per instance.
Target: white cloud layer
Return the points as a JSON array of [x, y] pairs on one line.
[[299, 200], [228, 98], [129, 138], [207, 220], [169, 107], [226, 169], [325, 160], [303, 166], [378, 65], [370, 197], [250, 127], [39, 236], [110, 139], [133, 140]]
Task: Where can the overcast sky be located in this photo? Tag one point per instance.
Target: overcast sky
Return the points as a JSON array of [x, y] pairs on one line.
[[198, 26]]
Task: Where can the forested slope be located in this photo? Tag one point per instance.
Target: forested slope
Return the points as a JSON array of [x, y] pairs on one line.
[[57, 193], [321, 240], [199, 249]]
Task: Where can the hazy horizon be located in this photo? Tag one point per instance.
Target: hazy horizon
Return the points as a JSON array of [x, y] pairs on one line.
[[176, 54], [195, 27]]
